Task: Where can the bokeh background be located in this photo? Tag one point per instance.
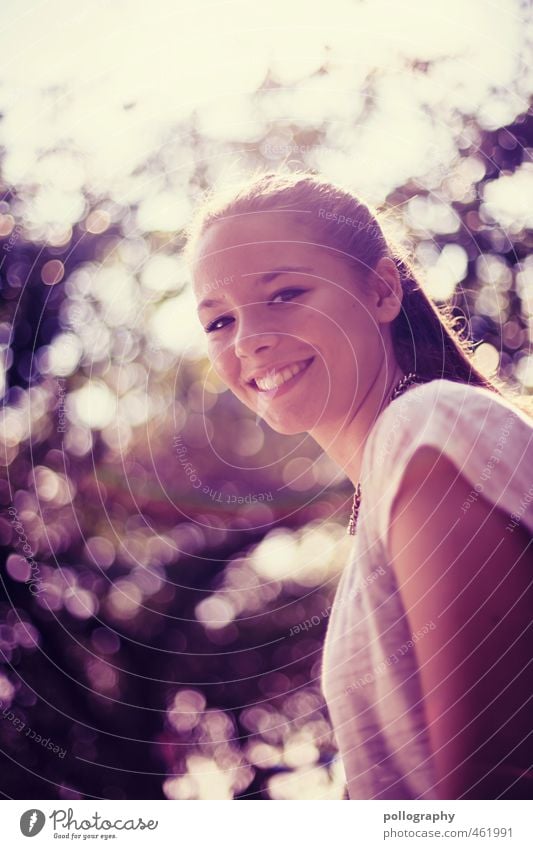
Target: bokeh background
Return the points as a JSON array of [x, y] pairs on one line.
[[169, 561]]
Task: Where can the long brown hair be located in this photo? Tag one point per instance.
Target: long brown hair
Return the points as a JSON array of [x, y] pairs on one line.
[[426, 338]]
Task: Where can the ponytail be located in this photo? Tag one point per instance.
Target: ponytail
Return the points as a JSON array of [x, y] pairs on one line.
[[427, 340]]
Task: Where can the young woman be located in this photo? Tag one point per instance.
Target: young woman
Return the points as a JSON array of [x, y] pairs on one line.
[[315, 322]]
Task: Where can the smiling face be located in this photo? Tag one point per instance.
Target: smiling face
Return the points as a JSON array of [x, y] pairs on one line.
[[293, 330]]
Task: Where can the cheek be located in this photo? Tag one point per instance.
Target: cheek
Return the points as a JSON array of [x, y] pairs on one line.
[[223, 362], [360, 328], [350, 343]]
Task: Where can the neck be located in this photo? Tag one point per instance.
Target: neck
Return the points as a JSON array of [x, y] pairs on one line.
[[344, 441]]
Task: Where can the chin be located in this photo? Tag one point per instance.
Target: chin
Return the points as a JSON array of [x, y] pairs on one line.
[[287, 430], [285, 426]]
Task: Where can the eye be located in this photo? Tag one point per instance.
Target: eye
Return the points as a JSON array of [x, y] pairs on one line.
[[285, 293], [213, 325]]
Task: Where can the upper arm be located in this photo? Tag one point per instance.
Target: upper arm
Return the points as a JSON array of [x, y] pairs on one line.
[[473, 578]]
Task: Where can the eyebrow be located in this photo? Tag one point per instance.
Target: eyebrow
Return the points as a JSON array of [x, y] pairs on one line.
[[267, 277]]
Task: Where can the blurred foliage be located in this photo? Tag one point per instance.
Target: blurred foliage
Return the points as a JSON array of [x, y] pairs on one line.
[[173, 543]]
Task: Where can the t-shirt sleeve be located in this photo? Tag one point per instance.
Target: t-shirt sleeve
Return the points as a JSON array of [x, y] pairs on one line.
[[489, 441]]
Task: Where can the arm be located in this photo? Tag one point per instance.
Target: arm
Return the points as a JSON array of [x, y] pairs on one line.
[[473, 578]]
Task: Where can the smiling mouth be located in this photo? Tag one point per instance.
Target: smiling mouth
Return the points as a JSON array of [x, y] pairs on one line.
[[272, 382]]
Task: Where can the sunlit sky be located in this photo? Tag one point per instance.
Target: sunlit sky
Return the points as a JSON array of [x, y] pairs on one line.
[[100, 99], [115, 81]]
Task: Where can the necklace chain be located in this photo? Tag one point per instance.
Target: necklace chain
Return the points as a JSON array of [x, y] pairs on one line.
[[400, 387]]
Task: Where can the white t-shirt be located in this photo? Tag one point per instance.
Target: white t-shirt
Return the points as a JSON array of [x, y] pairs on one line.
[[369, 674]]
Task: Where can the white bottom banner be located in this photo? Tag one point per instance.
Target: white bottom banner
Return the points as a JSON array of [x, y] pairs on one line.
[[314, 825]]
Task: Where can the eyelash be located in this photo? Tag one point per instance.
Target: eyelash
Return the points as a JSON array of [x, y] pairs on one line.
[[210, 328]]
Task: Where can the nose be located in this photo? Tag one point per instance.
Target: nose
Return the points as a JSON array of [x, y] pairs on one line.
[[249, 346], [252, 336]]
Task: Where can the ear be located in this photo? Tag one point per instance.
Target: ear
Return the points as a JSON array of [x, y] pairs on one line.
[[387, 288]]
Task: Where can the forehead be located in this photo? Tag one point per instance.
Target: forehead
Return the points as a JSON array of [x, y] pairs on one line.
[[250, 243]]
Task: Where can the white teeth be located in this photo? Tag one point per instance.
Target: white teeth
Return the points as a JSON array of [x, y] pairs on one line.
[[278, 378]]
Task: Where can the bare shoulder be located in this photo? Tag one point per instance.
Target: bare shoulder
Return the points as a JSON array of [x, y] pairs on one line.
[[470, 575]]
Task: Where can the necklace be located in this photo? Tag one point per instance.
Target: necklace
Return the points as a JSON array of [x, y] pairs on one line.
[[400, 387]]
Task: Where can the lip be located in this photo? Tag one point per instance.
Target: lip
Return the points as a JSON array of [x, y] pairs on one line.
[[288, 385]]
